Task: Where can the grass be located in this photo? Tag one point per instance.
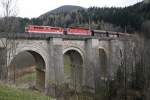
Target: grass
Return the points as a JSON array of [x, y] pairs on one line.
[[67, 68], [28, 77], [12, 93]]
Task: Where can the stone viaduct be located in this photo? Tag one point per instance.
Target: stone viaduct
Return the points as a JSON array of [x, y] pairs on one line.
[[93, 58]]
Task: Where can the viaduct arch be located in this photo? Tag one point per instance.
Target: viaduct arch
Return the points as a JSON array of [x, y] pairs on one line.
[[41, 61], [73, 67], [51, 52]]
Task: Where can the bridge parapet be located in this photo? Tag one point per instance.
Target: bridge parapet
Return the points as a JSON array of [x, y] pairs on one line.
[[102, 36]]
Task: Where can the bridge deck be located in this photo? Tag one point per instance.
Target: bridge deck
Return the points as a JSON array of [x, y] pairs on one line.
[[52, 35]]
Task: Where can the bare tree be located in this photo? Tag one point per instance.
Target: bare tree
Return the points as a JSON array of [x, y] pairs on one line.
[[9, 8], [8, 22], [9, 12]]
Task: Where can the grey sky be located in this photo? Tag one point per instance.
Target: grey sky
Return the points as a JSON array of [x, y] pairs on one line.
[[34, 8]]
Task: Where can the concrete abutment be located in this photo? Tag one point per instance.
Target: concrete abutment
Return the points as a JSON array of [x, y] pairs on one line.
[[91, 62], [55, 73]]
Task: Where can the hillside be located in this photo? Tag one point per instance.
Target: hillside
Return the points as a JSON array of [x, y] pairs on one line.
[[129, 19], [63, 9], [114, 19]]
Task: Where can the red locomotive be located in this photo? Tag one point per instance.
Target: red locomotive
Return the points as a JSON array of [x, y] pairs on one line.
[[78, 31], [43, 29], [57, 30]]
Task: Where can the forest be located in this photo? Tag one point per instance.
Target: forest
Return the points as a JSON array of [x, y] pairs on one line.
[[128, 19]]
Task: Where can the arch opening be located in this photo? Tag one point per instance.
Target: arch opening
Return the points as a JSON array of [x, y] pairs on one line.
[[73, 67], [27, 69]]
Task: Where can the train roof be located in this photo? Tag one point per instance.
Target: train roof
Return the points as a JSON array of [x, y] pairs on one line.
[[43, 26], [80, 28]]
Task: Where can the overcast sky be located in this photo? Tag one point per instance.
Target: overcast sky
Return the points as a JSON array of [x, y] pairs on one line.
[[34, 8]]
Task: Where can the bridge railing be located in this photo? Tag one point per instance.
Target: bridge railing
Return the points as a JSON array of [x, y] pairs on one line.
[[98, 34], [102, 33]]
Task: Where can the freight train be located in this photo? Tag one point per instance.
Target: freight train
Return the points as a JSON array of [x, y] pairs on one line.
[[71, 31]]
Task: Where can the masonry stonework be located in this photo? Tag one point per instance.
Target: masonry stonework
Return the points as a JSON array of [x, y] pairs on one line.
[[49, 52]]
